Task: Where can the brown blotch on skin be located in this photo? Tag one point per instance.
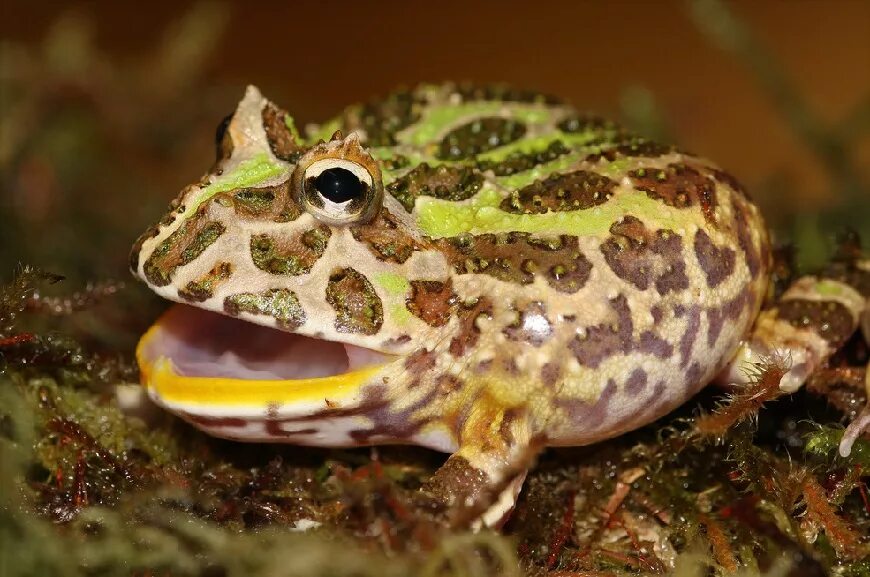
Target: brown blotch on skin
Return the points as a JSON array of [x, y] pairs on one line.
[[615, 338], [444, 182], [727, 179], [532, 325], [643, 257], [149, 233], [829, 319], [613, 145], [388, 422], [281, 140], [510, 367], [694, 376], [382, 118], [576, 190], [386, 238], [716, 262], [591, 414], [730, 310], [754, 257], [431, 301], [289, 255], [587, 121], [203, 288], [357, 306], [479, 136], [420, 361], [519, 257], [447, 383], [273, 203], [469, 333], [607, 339], [275, 428], [281, 304], [214, 422], [636, 382], [520, 161], [638, 146], [652, 344], [503, 93], [687, 341], [550, 374], [182, 246], [678, 185]]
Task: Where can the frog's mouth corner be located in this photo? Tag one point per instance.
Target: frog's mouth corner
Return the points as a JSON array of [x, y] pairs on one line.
[[192, 356]]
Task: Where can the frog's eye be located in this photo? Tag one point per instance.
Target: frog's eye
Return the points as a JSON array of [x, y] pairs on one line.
[[338, 182], [337, 191]]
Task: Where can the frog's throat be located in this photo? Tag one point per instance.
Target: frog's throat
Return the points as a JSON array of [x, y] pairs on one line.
[[244, 397]]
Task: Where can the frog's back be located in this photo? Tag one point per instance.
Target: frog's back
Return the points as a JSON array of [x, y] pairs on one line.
[[600, 275]]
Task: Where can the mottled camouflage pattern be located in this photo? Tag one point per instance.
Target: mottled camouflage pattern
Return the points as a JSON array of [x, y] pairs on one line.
[[589, 282]]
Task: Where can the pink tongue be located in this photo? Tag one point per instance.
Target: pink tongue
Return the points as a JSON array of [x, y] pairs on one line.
[[206, 344]]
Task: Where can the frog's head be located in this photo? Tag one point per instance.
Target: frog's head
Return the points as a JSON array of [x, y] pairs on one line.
[[300, 278]]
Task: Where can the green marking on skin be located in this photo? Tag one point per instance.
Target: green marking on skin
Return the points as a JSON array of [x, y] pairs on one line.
[[561, 164], [324, 131], [537, 144], [615, 167], [527, 177], [440, 118], [291, 126], [394, 284], [439, 218], [829, 288], [401, 315], [247, 174]]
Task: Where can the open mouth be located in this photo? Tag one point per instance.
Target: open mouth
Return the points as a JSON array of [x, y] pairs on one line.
[[194, 355]]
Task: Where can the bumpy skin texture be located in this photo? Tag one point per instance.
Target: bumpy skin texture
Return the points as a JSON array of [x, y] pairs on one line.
[[541, 274]]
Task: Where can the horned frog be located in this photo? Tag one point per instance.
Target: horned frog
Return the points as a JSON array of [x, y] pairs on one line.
[[468, 269]]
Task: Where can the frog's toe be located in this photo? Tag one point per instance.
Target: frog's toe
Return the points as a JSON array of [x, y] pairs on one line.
[[471, 496], [860, 425]]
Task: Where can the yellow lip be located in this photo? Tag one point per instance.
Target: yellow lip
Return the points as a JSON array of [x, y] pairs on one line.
[[160, 378]]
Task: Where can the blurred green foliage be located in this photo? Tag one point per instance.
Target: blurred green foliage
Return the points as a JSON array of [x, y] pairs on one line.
[[89, 146]]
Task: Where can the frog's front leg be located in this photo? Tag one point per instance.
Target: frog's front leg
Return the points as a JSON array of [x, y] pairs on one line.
[[813, 318], [481, 481]]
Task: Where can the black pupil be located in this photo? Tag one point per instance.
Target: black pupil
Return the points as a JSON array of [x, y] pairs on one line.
[[339, 185]]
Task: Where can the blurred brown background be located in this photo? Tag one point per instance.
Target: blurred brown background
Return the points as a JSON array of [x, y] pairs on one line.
[[108, 108]]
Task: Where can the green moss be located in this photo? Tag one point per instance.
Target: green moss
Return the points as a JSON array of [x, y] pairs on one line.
[[825, 443]]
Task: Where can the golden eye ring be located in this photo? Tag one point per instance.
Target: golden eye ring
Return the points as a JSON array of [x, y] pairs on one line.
[[338, 182]]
